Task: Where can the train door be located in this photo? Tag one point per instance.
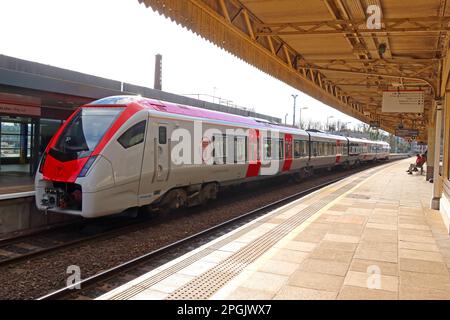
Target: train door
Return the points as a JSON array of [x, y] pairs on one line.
[[288, 152], [131, 148], [157, 160], [162, 164]]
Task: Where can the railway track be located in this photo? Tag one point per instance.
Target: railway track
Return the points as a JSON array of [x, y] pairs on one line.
[[29, 246], [105, 281]]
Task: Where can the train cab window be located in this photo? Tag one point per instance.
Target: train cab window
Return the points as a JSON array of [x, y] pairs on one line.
[[133, 136], [162, 135]]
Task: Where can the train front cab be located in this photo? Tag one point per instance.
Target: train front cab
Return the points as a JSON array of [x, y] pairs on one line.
[[92, 167]]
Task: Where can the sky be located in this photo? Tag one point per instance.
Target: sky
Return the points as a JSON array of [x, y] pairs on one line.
[[118, 39]]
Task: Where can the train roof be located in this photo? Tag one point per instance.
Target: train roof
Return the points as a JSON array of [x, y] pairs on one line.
[[190, 111], [194, 112], [326, 135], [357, 140]]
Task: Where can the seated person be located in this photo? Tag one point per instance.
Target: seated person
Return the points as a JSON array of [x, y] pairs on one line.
[[420, 161]]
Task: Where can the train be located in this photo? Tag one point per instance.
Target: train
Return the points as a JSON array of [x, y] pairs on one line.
[[128, 152]]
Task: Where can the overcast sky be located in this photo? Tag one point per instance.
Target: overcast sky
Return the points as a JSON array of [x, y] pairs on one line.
[[118, 39]]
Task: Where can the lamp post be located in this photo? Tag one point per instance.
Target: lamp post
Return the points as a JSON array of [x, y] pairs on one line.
[[285, 118], [300, 116], [295, 105], [328, 126]]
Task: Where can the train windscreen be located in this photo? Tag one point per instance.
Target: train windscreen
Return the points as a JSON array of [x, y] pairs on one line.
[[84, 132]]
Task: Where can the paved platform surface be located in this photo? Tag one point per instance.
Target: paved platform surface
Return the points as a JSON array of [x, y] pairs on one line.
[[12, 182], [370, 236]]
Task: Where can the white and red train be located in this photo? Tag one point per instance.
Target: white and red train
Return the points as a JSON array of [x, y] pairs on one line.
[[127, 152]]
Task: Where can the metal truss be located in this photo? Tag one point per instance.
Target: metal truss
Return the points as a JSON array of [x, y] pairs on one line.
[[232, 26]]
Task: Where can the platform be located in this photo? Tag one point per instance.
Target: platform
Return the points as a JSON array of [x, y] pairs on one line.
[[370, 236], [15, 182]]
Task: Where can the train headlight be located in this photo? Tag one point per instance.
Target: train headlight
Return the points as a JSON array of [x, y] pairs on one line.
[[87, 166]]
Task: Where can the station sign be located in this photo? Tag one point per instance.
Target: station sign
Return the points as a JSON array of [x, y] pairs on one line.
[[19, 105], [403, 101], [407, 133], [19, 110]]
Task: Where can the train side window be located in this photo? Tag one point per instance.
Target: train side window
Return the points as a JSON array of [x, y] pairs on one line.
[[225, 148], [162, 135], [305, 148], [314, 149], [320, 149], [281, 149], [219, 144], [133, 136], [240, 150], [297, 149], [268, 149]]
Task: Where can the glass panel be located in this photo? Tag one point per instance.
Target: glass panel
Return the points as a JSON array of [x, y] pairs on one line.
[[218, 149], [268, 149], [87, 127], [240, 150], [281, 149], [134, 135], [297, 149], [162, 135]]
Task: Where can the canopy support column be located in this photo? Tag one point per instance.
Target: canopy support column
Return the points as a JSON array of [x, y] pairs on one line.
[[437, 189]]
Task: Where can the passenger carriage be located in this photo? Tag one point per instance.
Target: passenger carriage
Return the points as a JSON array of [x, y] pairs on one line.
[[127, 152]]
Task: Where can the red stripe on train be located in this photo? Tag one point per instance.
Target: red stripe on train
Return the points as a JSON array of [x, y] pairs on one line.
[[287, 152], [253, 154]]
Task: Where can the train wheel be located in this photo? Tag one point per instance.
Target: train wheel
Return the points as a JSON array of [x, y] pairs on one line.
[[180, 199], [208, 192], [297, 177], [174, 200], [309, 172]]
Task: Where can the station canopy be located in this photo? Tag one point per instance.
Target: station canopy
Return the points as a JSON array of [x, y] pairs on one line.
[[327, 49]]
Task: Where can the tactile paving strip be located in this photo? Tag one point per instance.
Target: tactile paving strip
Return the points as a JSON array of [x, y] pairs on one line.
[[134, 290], [205, 285]]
